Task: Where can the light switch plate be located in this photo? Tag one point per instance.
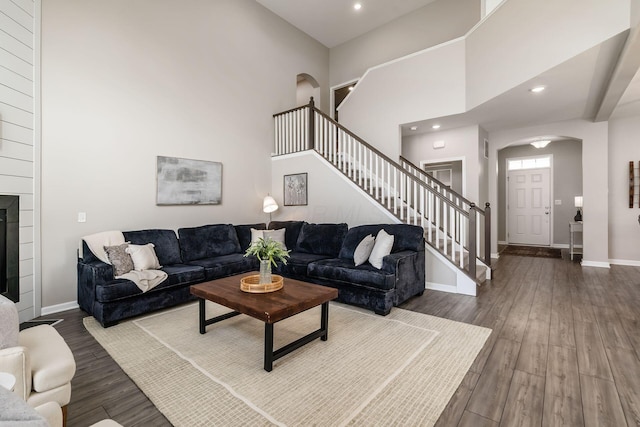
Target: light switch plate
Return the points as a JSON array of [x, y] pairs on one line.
[[558, 202], [82, 217]]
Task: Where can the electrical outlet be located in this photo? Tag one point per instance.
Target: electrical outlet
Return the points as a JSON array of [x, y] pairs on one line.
[[82, 217]]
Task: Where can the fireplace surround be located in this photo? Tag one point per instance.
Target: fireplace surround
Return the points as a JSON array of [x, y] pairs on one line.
[[9, 247]]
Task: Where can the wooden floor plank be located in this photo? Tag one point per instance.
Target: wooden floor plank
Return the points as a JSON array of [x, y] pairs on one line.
[[490, 394], [592, 358], [562, 403], [524, 402], [626, 372], [453, 413], [600, 403], [533, 353], [469, 419]]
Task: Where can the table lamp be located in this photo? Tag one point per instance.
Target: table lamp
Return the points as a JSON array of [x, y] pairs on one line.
[[269, 205], [578, 204]]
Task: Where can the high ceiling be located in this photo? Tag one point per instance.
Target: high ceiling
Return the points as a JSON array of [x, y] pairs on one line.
[[590, 86], [333, 22]]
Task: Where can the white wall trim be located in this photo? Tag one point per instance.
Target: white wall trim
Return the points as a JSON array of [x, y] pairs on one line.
[[599, 264], [630, 262], [71, 305], [37, 150]]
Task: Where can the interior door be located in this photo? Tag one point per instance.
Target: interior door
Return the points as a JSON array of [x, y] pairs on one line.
[[529, 207]]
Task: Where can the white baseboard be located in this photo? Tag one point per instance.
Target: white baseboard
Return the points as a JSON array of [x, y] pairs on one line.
[[629, 262], [59, 307], [441, 287], [599, 264]]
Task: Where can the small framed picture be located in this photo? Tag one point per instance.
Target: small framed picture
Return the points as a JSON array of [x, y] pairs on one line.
[[295, 189]]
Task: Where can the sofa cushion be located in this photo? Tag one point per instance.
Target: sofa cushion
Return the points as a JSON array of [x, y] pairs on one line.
[[119, 259], [363, 250], [321, 239], [244, 233], [208, 241], [297, 264], [405, 237], [144, 257], [226, 265], [343, 271], [381, 248], [165, 243], [275, 235], [292, 231]]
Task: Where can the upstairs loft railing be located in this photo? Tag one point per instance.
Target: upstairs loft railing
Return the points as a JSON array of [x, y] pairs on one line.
[[453, 225]]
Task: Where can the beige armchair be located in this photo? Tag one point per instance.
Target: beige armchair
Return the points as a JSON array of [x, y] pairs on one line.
[[38, 357]]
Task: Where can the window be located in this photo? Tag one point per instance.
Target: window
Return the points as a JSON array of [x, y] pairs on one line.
[[530, 163]]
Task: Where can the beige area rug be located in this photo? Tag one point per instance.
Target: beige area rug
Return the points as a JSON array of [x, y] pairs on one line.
[[400, 369]]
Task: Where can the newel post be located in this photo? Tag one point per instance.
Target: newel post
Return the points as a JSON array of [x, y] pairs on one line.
[[312, 124], [472, 240], [487, 234]]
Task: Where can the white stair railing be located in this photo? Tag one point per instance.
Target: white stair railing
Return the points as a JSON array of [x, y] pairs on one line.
[[451, 223]]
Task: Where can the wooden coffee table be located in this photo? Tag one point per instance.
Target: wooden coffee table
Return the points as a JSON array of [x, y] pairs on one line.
[[295, 297]]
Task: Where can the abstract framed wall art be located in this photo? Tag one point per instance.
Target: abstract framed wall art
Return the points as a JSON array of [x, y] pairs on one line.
[[295, 189], [188, 182]]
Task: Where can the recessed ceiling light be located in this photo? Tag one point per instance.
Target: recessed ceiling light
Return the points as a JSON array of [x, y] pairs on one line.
[[414, 128], [357, 6], [350, 88], [435, 127], [537, 89]]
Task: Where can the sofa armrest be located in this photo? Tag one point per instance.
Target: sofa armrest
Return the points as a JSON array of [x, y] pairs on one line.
[[15, 361], [409, 269], [90, 275]]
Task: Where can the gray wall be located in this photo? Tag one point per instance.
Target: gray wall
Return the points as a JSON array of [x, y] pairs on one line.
[[125, 81], [436, 23], [567, 183]]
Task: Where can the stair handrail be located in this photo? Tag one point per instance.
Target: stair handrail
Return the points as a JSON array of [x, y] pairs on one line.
[[304, 117], [444, 188]]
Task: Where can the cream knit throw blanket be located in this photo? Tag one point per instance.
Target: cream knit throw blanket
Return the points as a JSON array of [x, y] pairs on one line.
[[145, 280]]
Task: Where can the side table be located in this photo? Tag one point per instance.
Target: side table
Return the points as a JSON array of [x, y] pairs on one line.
[[574, 227]]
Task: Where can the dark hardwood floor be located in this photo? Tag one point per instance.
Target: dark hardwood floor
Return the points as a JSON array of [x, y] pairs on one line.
[[564, 351]]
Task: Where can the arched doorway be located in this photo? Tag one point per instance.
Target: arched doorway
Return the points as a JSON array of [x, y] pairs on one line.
[[306, 87]]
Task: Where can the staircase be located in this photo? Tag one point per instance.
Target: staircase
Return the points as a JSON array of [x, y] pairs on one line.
[[453, 226]]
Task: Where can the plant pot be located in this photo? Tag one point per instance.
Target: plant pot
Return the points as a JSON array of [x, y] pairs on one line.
[[265, 272]]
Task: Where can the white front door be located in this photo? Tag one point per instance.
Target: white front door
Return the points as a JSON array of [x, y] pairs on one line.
[[529, 207]]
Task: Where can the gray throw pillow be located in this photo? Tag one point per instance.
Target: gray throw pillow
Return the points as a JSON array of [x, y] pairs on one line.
[[363, 250], [119, 259]]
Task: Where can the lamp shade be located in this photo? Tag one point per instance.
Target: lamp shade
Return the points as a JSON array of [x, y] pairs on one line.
[[269, 205], [578, 201]]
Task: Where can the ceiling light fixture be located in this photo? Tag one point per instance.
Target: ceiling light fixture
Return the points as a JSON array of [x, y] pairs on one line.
[[350, 88], [414, 128], [541, 144], [357, 6], [435, 127], [537, 89]]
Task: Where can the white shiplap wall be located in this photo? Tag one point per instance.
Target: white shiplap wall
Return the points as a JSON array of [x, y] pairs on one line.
[[17, 131]]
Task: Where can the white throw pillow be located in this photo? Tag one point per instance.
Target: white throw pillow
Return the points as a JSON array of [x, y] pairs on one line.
[[143, 257], [277, 235], [382, 248], [363, 250]]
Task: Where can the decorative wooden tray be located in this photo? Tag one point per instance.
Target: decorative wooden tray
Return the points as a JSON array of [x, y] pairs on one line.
[[251, 284]]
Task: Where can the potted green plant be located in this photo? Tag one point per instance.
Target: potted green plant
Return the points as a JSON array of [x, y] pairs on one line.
[[268, 251]]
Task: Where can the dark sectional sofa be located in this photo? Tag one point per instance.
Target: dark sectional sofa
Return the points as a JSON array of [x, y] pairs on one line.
[[320, 253]]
